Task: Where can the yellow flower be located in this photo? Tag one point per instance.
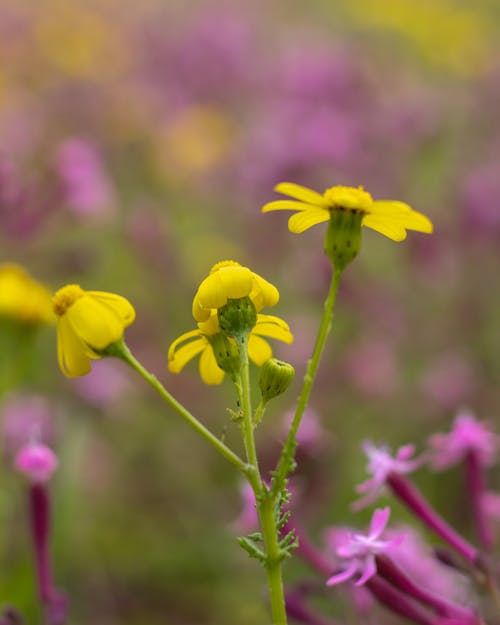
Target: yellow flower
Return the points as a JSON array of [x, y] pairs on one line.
[[87, 323], [195, 342], [390, 218], [22, 298], [229, 280]]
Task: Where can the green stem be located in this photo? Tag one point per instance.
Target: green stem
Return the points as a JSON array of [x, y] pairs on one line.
[[259, 412], [265, 500], [286, 462], [122, 351]]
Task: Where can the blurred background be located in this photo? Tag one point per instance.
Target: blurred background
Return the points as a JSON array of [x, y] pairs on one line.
[[138, 141]]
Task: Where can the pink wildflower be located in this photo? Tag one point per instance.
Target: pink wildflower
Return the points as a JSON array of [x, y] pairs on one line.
[[380, 464], [37, 462], [467, 435], [359, 550]]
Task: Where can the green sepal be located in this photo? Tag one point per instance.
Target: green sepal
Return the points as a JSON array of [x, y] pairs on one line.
[[237, 317], [343, 236]]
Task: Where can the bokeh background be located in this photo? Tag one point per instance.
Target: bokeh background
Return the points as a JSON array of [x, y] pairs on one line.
[[138, 141]]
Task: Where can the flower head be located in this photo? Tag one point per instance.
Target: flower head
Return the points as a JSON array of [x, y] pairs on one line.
[[37, 462], [359, 550], [230, 280], [388, 217], [380, 464], [201, 341], [467, 435], [22, 298], [87, 323]]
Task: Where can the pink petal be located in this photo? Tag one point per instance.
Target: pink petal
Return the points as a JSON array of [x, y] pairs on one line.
[[344, 576], [369, 570], [379, 521], [405, 452]]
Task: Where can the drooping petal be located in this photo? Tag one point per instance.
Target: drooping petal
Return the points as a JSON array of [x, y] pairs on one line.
[[180, 339], [385, 226], [263, 293], [306, 219], [210, 371], [301, 193], [122, 308], [286, 205], [403, 215], [177, 360], [273, 327], [259, 350], [95, 323], [344, 575], [369, 570], [71, 354], [379, 521]]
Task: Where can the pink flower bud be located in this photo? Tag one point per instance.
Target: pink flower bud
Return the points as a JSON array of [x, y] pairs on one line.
[[37, 462]]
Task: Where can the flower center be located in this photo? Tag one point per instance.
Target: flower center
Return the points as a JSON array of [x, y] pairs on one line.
[[66, 297], [349, 198]]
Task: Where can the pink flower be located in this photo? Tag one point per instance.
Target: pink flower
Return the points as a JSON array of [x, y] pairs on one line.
[[248, 519], [359, 551], [25, 418], [37, 462], [467, 436], [380, 464]]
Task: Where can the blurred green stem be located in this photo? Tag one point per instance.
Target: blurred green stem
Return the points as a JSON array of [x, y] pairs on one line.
[[286, 462], [120, 350], [265, 501]]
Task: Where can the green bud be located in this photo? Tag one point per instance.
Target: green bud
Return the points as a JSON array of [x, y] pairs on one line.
[[226, 353], [237, 317], [275, 377], [343, 236]]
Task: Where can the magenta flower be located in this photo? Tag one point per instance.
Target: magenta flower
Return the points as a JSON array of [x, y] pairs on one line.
[[380, 464], [359, 551], [37, 462], [468, 435]]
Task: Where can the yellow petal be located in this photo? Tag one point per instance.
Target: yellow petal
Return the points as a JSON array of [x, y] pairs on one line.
[[263, 293], [385, 226], [199, 313], [403, 215], [122, 308], [286, 205], [186, 353], [71, 352], [213, 292], [210, 371], [259, 350], [304, 220], [183, 337], [93, 322], [279, 331], [301, 193]]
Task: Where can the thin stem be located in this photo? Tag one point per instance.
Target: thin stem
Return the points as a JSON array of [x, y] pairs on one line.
[[265, 501], [286, 461], [259, 412], [123, 352]]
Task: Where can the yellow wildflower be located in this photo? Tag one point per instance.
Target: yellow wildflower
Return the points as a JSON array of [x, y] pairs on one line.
[[388, 217], [200, 341], [22, 298], [87, 323], [230, 280]]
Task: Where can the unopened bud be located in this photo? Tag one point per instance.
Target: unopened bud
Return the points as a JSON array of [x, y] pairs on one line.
[[37, 462], [274, 378]]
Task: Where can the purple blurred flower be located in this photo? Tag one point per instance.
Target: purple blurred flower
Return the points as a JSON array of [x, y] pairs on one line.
[[372, 367], [359, 550], [449, 380], [85, 186], [26, 418], [248, 519], [311, 436], [481, 211], [104, 385], [380, 464], [467, 435], [37, 462]]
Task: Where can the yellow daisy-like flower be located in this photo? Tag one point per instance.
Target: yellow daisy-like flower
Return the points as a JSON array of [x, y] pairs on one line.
[[87, 323], [230, 280], [195, 342], [22, 298], [388, 217]]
